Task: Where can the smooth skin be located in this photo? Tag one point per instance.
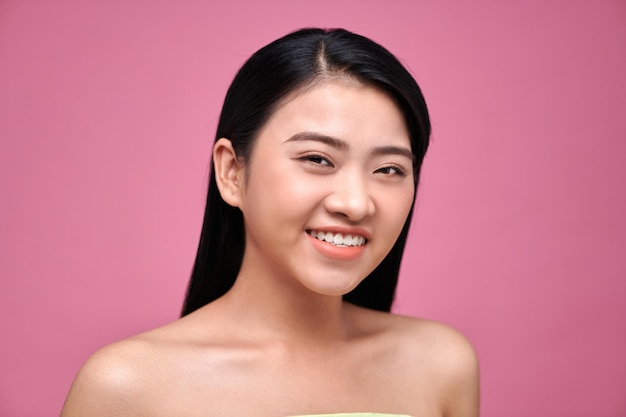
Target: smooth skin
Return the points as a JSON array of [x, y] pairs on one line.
[[281, 342]]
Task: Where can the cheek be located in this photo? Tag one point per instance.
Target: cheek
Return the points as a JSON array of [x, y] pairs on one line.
[[274, 192], [396, 206]]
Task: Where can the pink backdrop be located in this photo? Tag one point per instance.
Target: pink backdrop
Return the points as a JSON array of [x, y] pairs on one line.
[[107, 110]]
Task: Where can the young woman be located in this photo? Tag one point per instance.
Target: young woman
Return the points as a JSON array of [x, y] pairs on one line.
[[315, 168]]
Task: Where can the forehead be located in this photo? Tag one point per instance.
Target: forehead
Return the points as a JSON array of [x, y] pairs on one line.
[[343, 108]]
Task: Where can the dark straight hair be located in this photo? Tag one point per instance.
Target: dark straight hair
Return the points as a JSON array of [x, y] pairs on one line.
[[275, 72]]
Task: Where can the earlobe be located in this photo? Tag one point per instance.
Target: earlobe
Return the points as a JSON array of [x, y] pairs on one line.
[[228, 172]]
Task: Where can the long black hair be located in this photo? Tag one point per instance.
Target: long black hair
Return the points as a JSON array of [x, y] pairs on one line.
[[276, 71]]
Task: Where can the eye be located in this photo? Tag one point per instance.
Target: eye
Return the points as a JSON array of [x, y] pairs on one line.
[[391, 170], [317, 160]]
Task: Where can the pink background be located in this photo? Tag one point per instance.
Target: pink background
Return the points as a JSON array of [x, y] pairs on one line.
[[107, 110]]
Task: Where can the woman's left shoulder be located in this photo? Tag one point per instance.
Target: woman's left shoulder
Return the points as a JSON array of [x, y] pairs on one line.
[[431, 363], [432, 337], [422, 340], [446, 356]]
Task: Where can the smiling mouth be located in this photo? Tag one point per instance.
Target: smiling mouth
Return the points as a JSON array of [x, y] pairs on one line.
[[338, 239]]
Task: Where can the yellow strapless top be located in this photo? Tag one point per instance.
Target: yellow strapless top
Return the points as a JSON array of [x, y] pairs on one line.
[[354, 415]]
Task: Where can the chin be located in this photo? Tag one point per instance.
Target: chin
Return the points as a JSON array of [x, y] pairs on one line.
[[333, 289]]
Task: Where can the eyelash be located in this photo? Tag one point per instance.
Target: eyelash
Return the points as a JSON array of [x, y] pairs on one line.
[[317, 160], [320, 161], [399, 171]]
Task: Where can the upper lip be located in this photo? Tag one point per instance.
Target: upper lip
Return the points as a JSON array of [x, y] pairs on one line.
[[354, 231]]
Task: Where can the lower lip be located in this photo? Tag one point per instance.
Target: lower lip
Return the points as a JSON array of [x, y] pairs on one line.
[[344, 253]]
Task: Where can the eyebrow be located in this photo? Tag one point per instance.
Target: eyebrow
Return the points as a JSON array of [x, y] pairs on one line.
[[318, 137], [342, 145]]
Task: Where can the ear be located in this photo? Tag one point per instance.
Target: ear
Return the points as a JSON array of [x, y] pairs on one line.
[[229, 172]]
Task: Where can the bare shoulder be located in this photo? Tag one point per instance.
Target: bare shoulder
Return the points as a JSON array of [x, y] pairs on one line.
[[439, 343], [122, 378], [111, 382], [443, 345], [447, 357], [432, 360]]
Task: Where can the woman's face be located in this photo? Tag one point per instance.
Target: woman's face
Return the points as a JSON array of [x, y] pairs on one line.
[[328, 187]]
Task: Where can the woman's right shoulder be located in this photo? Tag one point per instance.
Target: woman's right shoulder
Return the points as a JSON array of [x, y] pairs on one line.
[[127, 375], [113, 380]]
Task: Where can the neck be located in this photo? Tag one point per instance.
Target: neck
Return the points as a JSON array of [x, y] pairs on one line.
[[282, 309]]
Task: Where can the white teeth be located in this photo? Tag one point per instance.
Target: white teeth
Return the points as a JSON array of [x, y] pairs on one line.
[[338, 239]]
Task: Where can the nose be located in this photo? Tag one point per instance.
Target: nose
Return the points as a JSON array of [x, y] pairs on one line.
[[350, 197]]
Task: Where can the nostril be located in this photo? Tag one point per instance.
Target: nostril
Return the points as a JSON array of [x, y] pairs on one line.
[[352, 201]]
